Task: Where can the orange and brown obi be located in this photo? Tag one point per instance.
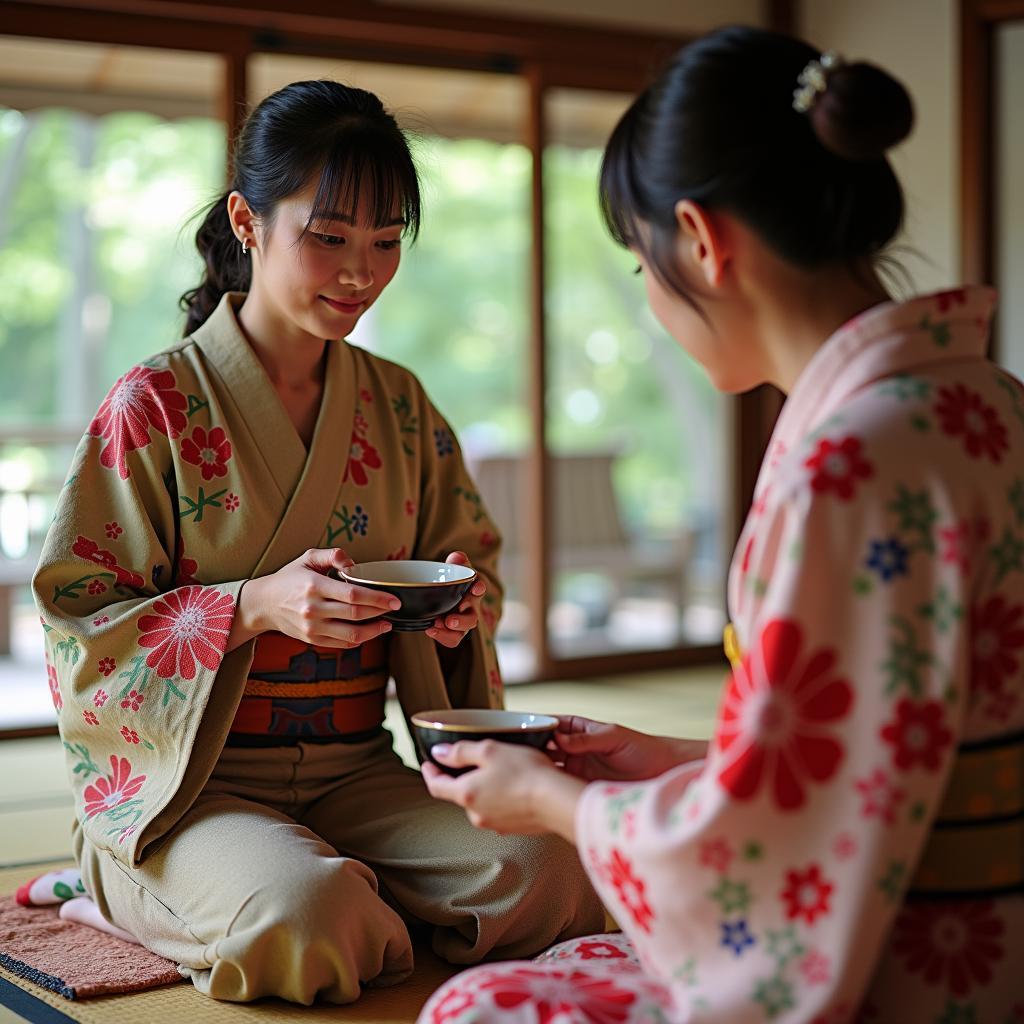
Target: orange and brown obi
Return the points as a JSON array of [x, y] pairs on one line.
[[297, 692]]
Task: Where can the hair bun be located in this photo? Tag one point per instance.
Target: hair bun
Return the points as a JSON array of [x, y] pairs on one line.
[[863, 112]]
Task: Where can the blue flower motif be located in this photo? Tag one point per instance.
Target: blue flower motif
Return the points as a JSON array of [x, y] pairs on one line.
[[360, 520], [444, 442], [888, 558], [736, 936]]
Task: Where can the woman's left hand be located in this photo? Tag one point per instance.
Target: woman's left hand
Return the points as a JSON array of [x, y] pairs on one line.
[[512, 789], [450, 630]]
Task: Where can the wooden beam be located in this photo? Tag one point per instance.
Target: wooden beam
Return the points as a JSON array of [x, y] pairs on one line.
[[625, 58], [976, 145], [535, 507]]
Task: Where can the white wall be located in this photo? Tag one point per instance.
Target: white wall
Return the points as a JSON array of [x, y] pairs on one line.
[[678, 16], [918, 42]]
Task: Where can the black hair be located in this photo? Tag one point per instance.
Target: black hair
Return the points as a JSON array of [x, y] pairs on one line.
[[719, 127], [324, 128]]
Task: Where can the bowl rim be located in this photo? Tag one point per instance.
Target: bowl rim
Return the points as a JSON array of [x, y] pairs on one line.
[[347, 575], [419, 719]]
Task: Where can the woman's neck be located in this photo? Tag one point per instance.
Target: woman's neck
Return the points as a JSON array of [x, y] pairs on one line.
[[802, 310], [292, 358]]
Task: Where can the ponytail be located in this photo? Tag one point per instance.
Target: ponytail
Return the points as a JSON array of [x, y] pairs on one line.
[[226, 269]]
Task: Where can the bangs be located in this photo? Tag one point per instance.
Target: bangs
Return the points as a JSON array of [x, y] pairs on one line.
[[619, 193], [374, 169]]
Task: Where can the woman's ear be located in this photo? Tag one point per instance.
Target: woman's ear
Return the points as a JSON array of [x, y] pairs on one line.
[[701, 242], [243, 220]]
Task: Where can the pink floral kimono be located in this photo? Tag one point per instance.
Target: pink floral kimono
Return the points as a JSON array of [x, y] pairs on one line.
[[852, 849]]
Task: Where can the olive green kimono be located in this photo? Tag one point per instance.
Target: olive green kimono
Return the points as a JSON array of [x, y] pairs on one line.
[[291, 870]]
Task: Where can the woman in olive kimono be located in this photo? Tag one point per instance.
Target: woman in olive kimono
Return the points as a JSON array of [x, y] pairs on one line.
[[220, 689], [850, 845]]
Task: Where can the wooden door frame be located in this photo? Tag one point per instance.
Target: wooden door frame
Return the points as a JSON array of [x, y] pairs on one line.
[[979, 20]]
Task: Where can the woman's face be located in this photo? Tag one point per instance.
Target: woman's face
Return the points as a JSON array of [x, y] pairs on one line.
[[325, 278]]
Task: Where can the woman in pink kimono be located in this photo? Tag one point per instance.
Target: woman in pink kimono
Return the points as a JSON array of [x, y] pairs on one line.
[[850, 845], [220, 689]]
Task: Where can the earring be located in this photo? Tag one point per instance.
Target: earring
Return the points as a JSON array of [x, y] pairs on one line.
[[245, 246]]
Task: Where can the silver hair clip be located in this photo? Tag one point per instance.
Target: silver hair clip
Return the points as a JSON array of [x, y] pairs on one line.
[[814, 80]]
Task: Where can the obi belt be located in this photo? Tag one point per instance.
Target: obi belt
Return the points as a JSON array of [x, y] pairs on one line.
[[299, 693]]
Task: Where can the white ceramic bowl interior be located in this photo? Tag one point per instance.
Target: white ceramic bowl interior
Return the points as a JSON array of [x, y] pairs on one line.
[[408, 574], [484, 720]]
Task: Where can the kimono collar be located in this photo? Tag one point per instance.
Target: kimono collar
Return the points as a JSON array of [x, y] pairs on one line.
[[230, 355], [891, 339]]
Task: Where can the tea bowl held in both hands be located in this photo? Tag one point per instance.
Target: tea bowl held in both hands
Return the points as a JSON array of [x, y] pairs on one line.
[[451, 725], [427, 590]]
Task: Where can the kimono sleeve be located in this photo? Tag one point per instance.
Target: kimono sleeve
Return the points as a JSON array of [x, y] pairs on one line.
[[763, 884], [133, 643], [452, 517]]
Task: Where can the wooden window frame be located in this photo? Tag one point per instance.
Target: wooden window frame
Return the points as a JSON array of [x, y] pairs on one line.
[[548, 55]]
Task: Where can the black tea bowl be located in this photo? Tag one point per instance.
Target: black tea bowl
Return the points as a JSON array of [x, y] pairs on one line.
[[427, 590], [450, 726]]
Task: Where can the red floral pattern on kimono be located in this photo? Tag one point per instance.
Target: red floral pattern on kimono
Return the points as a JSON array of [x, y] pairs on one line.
[[191, 480], [141, 399], [877, 595]]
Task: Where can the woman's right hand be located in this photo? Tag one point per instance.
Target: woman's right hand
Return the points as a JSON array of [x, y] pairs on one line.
[[305, 600], [598, 750]]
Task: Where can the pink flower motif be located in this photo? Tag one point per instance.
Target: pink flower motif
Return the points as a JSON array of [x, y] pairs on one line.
[[410, 507], [188, 625], [454, 1003], [126, 833], [630, 890], [90, 717], [88, 549], [112, 790], [816, 968], [231, 502], [839, 467], [398, 555], [597, 950], [946, 300], [55, 694], [185, 569], [360, 425], [845, 846], [113, 530], [806, 894], [133, 700], [362, 456], [210, 451], [997, 639], [880, 797], [101, 620], [106, 665], [716, 854], [488, 539], [100, 697], [365, 395], [775, 727], [141, 399], [130, 735], [97, 587], [953, 945], [956, 541], [964, 412], [560, 995], [918, 735]]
